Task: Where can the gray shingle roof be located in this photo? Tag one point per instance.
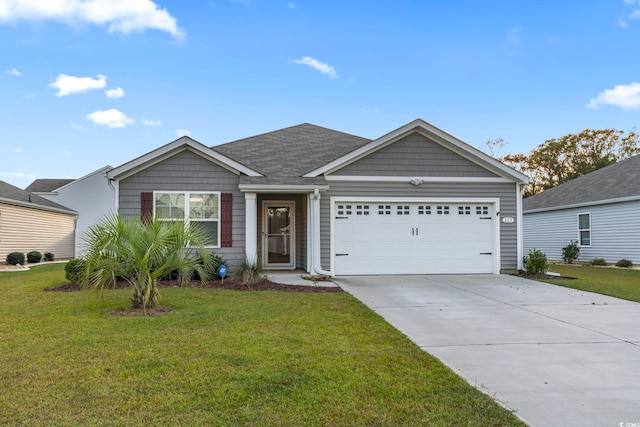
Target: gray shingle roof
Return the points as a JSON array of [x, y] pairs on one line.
[[612, 182], [47, 185], [24, 198], [284, 155]]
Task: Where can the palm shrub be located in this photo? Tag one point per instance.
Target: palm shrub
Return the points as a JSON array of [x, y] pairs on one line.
[[143, 252], [248, 273]]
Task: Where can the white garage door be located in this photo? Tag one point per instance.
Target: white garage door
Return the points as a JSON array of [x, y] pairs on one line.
[[414, 238]]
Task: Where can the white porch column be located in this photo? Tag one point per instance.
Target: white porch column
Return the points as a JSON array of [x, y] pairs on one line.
[[251, 227]]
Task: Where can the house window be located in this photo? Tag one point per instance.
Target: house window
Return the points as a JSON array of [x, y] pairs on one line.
[[584, 229], [190, 207]]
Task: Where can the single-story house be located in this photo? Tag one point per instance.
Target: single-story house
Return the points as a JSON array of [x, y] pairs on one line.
[[29, 222], [416, 200], [600, 210], [92, 196]]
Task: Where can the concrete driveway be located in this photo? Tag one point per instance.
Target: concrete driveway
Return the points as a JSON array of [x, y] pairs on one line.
[[556, 356]]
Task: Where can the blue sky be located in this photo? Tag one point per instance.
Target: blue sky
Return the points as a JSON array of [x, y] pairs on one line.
[[90, 83]]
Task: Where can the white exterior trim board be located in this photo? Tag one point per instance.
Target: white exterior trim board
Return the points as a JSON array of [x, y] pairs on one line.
[[173, 148], [585, 204], [407, 179], [280, 188], [37, 206], [428, 130]]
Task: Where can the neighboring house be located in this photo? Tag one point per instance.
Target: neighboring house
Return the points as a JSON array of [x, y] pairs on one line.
[[92, 196], [416, 200], [29, 222], [600, 210]]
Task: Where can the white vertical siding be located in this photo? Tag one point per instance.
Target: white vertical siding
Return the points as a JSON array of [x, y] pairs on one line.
[[25, 229], [92, 197], [615, 232]]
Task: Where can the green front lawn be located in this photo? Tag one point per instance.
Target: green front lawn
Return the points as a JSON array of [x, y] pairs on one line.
[[219, 358], [616, 282]]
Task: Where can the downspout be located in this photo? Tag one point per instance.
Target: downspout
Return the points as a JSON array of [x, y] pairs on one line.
[[315, 226]]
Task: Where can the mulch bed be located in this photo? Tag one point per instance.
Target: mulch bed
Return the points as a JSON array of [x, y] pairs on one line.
[[264, 285]]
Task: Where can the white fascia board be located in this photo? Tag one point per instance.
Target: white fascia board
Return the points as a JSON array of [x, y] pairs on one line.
[[584, 204], [101, 170], [424, 179], [37, 206], [496, 200], [281, 188], [427, 130], [172, 148]]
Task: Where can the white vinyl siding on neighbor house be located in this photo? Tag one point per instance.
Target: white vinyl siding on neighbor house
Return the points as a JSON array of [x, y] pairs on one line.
[[614, 231], [25, 229], [91, 196], [201, 207], [584, 229]]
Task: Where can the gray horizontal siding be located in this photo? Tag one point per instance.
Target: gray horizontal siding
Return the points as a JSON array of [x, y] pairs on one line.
[[187, 171], [615, 232], [414, 155], [506, 192]]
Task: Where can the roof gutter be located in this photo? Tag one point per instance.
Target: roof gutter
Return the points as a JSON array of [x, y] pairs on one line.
[[584, 204], [37, 206]]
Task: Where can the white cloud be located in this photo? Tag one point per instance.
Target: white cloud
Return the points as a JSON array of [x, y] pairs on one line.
[[13, 72], [626, 97], [183, 132], [114, 93], [317, 65], [77, 126], [635, 14], [19, 175], [122, 16], [110, 118], [151, 122], [67, 85]]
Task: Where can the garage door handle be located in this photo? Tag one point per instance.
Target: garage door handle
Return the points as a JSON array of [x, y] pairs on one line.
[[486, 217], [342, 217], [342, 254], [486, 253]]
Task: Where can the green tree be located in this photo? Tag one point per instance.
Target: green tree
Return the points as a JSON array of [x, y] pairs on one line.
[[143, 252], [559, 160]]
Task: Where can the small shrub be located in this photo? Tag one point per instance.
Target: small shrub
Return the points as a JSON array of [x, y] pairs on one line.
[[598, 261], [536, 263], [73, 270], [48, 256], [248, 273], [15, 258], [624, 263], [34, 257], [571, 252]]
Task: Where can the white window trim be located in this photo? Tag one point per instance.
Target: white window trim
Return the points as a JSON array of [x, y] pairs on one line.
[[187, 208], [584, 229]]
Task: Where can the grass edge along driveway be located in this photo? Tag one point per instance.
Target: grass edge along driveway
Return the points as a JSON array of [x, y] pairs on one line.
[[621, 283], [218, 358]]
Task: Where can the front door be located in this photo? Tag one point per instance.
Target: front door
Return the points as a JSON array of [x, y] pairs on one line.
[[278, 234]]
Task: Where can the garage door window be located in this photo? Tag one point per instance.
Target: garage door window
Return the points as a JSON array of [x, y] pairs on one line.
[[482, 210], [584, 229], [442, 210], [464, 210], [424, 210], [403, 210]]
